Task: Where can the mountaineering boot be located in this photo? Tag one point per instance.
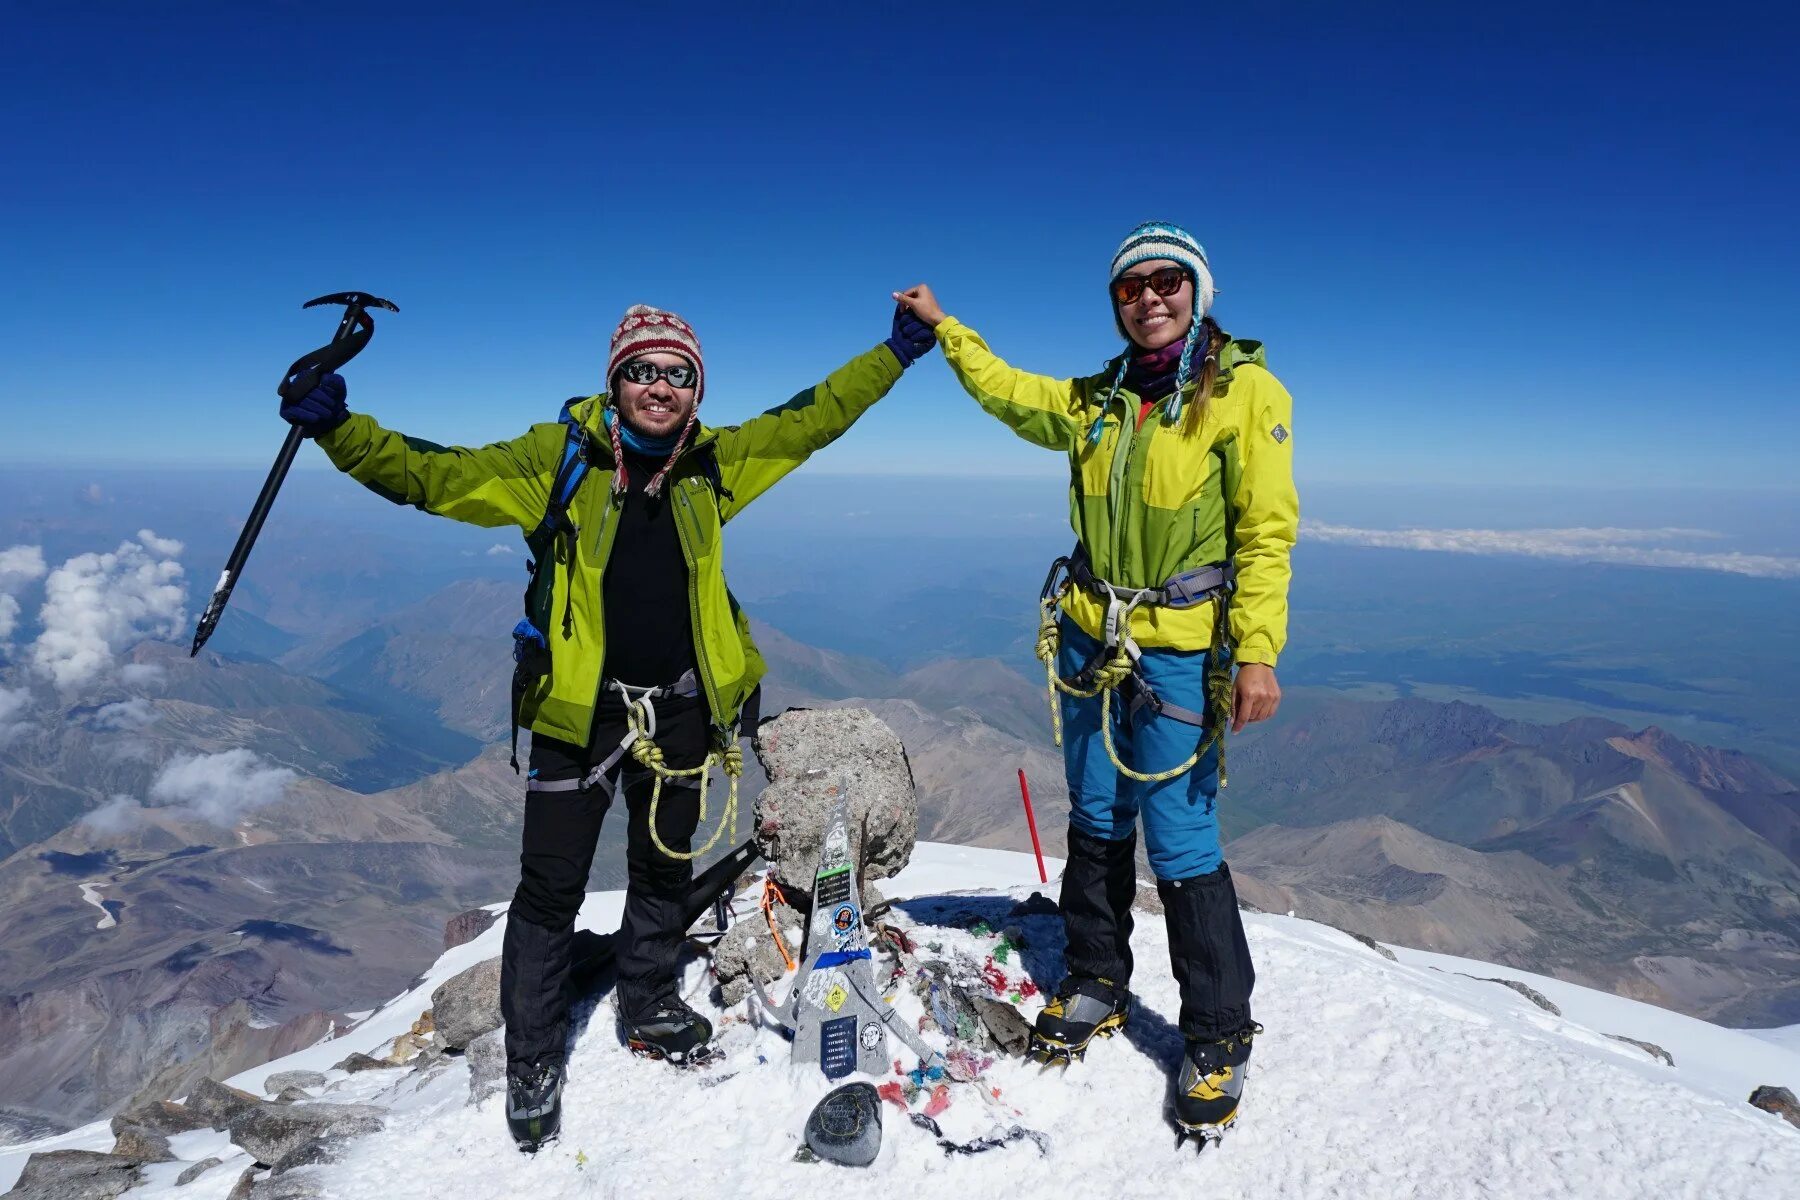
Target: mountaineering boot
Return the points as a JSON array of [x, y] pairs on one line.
[[1081, 1010], [666, 1028], [534, 1104], [1211, 1086]]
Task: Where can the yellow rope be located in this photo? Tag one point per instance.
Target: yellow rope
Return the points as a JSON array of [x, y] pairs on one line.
[[650, 756], [1107, 678]]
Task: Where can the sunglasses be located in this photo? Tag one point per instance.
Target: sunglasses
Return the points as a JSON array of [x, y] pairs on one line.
[[1164, 281], [645, 373]]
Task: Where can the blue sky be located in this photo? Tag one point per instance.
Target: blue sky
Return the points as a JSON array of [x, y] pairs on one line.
[[1538, 249]]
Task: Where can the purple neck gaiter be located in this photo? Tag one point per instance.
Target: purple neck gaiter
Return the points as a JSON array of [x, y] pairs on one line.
[[1151, 373]]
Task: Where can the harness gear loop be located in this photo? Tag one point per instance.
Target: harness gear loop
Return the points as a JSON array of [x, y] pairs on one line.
[[1116, 663]]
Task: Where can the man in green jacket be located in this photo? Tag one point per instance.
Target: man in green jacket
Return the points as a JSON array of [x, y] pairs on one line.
[[629, 624]]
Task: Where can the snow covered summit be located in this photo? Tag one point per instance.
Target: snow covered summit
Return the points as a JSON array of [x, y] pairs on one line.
[[1374, 1079]]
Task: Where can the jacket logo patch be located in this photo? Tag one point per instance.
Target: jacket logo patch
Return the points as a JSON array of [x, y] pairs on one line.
[[1279, 433]]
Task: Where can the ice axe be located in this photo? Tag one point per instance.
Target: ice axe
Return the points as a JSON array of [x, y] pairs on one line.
[[353, 333]]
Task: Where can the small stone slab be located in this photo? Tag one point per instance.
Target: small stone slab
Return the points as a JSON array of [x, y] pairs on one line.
[[287, 1079], [196, 1171], [75, 1175], [219, 1103]]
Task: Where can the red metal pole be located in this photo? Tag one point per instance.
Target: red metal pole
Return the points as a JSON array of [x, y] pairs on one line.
[[1031, 823]]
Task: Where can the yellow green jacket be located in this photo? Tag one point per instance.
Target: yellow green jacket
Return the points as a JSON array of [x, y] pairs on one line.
[[717, 476], [1149, 503]]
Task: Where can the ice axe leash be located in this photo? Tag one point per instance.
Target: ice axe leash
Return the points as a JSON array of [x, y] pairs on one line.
[[353, 333]]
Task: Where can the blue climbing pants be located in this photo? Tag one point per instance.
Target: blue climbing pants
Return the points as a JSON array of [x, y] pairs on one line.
[[1181, 825]]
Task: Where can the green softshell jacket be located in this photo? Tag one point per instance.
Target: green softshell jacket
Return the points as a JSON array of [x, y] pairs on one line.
[[508, 483]]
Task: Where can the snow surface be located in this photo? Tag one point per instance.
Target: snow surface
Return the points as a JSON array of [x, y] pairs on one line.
[[1374, 1079]]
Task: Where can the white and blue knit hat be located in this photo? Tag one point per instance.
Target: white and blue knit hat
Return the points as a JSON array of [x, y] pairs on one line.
[[1165, 239]]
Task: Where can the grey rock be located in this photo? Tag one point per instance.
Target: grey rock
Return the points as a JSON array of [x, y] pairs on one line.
[[1777, 1100], [272, 1133], [748, 947], [465, 927], [467, 1005], [358, 1062], [286, 1079], [160, 1116], [303, 1186], [292, 1095], [1382, 950], [1650, 1048], [486, 1057], [142, 1145], [196, 1171], [245, 1183], [1530, 993], [75, 1175], [1005, 1025], [219, 1103], [806, 753]]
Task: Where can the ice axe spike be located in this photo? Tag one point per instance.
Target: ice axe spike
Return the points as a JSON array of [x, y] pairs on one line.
[[305, 374]]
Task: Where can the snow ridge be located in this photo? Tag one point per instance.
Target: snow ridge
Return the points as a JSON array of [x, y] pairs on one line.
[[1374, 1078]]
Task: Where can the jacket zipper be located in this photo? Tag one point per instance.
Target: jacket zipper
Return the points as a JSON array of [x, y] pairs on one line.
[[706, 679]]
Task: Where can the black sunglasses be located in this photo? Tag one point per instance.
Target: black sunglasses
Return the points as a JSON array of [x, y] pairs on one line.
[[643, 372], [1164, 281]]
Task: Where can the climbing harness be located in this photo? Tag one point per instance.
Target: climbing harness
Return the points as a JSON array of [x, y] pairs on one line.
[[1116, 665], [640, 742]]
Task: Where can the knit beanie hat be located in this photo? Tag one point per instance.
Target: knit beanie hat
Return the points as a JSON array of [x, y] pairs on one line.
[[1167, 240], [647, 330]]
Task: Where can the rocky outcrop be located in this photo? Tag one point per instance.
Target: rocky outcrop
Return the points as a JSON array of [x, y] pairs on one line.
[[219, 1103], [467, 1005], [282, 1080], [465, 927], [806, 754], [160, 1116], [357, 1062], [142, 1146], [288, 1135], [75, 1175], [1777, 1100], [810, 756], [1530, 993], [1650, 1048]]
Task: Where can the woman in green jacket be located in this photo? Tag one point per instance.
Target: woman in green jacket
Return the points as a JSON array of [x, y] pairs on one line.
[[1162, 627]]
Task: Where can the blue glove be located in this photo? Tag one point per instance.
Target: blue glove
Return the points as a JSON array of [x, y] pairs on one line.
[[320, 410], [911, 338]]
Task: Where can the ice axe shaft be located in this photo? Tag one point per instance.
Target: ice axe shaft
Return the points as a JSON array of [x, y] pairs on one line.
[[353, 333]]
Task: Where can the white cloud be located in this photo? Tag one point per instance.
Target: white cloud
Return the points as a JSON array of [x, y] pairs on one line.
[[13, 702], [219, 787], [93, 494], [1630, 547], [141, 674], [125, 716], [498, 549], [97, 604], [19, 566], [116, 815]]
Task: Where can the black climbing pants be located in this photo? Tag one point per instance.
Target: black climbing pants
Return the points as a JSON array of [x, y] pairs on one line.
[[562, 829]]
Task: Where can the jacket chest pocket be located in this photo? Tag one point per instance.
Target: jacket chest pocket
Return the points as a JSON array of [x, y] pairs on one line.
[[1179, 471]]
